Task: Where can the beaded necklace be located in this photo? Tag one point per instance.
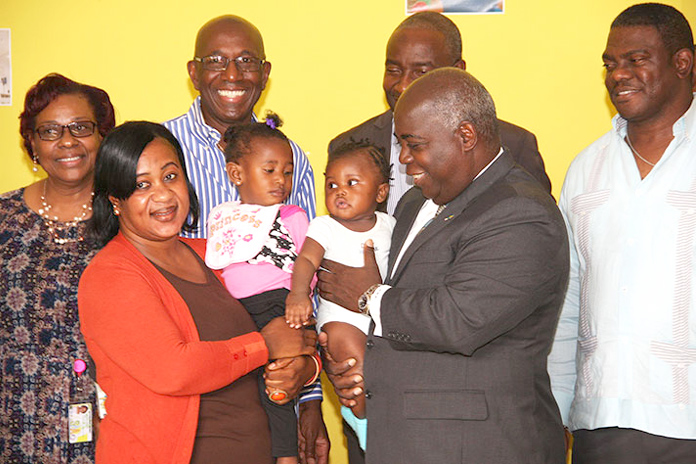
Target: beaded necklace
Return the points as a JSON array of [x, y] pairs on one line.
[[60, 231]]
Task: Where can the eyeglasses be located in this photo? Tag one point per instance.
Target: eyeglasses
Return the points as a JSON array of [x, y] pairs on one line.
[[218, 63], [51, 132]]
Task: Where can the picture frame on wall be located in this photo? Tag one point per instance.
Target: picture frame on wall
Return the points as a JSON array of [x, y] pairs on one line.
[[5, 69], [456, 6]]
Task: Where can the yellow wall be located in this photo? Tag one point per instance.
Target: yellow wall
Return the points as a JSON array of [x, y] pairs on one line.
[[540, 60]]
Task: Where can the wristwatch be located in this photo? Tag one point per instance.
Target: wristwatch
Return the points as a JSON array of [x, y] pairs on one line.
[[363, 301]]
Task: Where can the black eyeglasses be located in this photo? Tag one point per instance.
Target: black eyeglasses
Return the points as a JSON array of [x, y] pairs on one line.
[[51, 132], [219, 63]]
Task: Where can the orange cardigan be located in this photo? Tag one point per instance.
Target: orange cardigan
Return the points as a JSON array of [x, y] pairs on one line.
[[150, 361]]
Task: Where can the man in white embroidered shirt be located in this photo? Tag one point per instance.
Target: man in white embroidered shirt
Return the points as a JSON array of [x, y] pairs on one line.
[[623, 365], [230, 71]]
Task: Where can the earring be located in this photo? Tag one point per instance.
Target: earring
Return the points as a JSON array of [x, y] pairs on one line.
[[116, 211], [35, 168], [239, 182]]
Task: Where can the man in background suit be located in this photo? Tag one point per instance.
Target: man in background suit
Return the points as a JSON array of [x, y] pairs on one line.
[[421, 43], [455, 366]]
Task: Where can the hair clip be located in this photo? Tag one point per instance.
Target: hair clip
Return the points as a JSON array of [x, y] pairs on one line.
[[270, 123]]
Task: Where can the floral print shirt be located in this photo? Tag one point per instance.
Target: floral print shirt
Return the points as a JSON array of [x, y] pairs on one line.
[[39, 336]]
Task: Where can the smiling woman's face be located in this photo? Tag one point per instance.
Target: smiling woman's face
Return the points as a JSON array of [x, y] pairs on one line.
[[157, 209], [68, 159]]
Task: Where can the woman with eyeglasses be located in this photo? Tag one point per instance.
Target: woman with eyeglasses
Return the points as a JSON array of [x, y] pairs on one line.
[[43, 251]]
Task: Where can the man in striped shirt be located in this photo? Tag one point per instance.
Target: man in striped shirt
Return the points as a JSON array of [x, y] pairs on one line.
[[230, 71]]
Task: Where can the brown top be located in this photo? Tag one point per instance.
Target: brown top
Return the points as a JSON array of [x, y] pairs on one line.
[[232, 425]]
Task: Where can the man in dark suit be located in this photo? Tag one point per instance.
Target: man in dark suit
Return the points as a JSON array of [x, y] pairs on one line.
[[421, 43], [455, 366]]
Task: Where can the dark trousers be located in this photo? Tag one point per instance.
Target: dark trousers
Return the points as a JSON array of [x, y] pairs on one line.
[[282, 420], [355, 454], [628, 446]]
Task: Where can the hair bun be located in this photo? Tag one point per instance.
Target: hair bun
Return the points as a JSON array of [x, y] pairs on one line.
[[273, 120]]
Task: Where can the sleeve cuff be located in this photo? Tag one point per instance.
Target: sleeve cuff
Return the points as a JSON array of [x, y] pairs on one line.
[[251, 348], [375, 305], [311, 392]]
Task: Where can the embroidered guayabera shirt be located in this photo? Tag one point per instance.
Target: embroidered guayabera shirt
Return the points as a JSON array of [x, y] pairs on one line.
[[625, 348]]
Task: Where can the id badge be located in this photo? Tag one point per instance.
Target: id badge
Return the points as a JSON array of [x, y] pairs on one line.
[[79, 422], [101, 402]]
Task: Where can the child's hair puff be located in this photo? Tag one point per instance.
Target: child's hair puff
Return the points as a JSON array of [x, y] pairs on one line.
[[239, 136]]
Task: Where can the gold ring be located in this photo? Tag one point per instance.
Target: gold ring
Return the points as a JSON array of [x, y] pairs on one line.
[[277, 396]]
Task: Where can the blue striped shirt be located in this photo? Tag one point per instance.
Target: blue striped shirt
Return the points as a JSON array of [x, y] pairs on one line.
[[205, 166]]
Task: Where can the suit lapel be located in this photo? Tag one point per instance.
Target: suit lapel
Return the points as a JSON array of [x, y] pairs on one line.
[[384, 120], [382, 134], [378, 131], [453, 210]]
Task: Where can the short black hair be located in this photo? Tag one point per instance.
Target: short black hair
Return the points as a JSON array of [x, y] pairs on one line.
[[440, 23], [375, 153], [454, 96], [670, 23], [115, 174], [239, 136]]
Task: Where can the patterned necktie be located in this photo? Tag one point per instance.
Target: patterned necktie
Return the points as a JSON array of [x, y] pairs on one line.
[[437, 213]]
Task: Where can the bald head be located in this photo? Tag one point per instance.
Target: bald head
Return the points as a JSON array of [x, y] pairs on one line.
[[228, 25], [446, 125], [228, 95], [454, 96]]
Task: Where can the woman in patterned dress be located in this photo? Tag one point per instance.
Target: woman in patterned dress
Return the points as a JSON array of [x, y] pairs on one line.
[[43, 252]]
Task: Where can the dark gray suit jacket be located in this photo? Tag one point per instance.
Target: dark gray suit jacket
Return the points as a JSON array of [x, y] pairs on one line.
[[520, 142], [459, 374]]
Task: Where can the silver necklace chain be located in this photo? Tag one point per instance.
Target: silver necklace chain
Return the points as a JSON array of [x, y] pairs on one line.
[[635, 152]]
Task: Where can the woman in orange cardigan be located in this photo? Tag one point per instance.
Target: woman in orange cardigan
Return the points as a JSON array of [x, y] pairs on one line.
[[176, 355]]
